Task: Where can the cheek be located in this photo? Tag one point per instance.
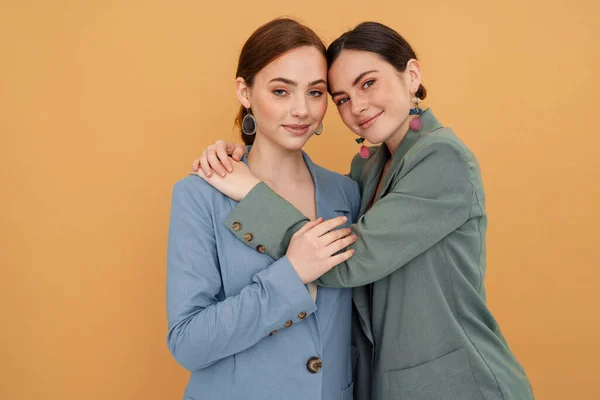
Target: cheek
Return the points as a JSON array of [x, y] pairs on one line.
[[386, 97], [402, 98], [348, 118], [267, 109], [319, 108], [391, 99]]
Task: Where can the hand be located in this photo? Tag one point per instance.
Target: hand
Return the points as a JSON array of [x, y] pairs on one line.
[[312, 248], [235, 185], [216, 158]]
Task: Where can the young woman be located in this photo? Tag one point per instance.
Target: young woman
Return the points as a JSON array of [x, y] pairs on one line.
[[245, 325], [424, 330]]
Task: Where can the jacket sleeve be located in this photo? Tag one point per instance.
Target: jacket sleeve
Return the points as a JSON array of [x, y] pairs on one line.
[[428, 201], [205, 327]]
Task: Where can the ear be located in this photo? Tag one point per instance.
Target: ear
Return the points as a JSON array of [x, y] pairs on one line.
[[243, 92], [412, 75]]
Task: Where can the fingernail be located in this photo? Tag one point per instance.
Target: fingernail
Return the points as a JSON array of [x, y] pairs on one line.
[[229, 169], [223, 175], [344, 219]]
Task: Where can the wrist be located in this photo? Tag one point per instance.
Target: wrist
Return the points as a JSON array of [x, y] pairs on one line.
[[249, 186]]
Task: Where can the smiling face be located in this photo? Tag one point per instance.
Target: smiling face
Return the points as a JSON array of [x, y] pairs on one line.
[[288, 97], [372, 96]]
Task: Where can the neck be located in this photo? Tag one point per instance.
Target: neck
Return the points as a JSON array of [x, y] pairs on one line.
[[393, 142], [275, 165]]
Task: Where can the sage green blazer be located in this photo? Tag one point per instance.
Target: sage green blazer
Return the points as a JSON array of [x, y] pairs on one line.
[[421, 324]]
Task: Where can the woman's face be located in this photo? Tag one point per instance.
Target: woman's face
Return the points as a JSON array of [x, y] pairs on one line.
[[372, 97], [289, 97]]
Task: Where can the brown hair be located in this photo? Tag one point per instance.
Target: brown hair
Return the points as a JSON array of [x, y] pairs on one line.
[[266, 44], [376, 38]]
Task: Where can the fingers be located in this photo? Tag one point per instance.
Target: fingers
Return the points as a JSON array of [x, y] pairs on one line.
[[214, 161], [224, 147], [238, 152], [224, 157], [339, 244], [215, 158], [196, 165], [204, 164], [328, 225], [339, 258], [235, 150], [334, 235], [308, 226]]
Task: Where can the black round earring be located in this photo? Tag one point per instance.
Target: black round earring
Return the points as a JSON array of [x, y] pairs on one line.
[[249, 123]]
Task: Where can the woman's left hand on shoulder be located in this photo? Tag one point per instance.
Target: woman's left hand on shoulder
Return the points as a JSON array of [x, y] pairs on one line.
[[236, 184]]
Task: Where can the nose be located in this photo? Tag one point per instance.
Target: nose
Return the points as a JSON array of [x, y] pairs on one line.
[[359, 106], [299, 108]]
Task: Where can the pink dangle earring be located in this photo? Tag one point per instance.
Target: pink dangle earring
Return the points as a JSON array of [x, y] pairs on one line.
[[364, 150], [416, 124]]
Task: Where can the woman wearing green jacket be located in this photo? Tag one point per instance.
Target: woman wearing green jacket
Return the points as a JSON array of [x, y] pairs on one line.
[[421, 323]]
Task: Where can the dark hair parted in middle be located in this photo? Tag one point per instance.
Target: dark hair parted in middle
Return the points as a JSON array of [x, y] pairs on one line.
[[266, 44], [376, 38]]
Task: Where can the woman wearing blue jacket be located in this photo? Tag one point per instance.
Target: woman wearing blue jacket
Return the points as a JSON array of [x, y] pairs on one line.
[[245, 325]]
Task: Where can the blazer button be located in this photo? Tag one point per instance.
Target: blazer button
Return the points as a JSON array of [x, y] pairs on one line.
[[302, 315], [314, 365], [273, 333], [236, 226], [288, 324], [260, 248], [248, 237]]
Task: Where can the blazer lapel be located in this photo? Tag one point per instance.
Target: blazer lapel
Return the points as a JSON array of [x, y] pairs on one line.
[[369, 178], [329, 205], [430, 124]]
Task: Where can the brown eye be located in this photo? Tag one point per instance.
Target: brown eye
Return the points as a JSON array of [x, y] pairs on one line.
[[369, 83]]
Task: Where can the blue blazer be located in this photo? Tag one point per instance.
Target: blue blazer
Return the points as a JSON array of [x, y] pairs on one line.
[[242, 322]]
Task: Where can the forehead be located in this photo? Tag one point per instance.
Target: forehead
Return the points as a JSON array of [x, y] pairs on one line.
[[302, 64], [352, 63]]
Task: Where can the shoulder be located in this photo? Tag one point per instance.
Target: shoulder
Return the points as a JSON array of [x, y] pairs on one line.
[[358, 163], [195, 191], [442, 143], [442, 158]]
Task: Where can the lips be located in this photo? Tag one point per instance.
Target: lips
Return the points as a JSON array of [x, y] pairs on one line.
[[368, 122], [297, 129]]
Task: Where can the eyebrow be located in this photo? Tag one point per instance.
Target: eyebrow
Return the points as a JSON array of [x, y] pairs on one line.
[[294, 83], [358, 78]]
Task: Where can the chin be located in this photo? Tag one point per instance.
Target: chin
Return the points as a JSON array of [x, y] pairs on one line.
[[376, 137], [294, 144]]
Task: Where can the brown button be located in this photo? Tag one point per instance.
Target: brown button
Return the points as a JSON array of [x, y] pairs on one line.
[[273, 333], [260, 248], [237, 226], [302, 315], [248, 237], [314, 364], [288, 323]]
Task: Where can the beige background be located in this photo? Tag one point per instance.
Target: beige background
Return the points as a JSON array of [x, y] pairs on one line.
[[103, 106]]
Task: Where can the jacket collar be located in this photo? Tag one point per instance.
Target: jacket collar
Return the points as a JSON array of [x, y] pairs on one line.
[[430, 124], [376, 163], [327, 198]]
